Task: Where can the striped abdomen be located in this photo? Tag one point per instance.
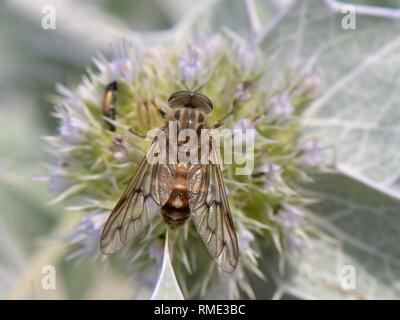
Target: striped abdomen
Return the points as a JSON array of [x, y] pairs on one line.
[[176, 210]]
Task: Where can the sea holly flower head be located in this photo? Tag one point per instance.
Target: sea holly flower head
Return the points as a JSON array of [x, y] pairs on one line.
[[96, 163]]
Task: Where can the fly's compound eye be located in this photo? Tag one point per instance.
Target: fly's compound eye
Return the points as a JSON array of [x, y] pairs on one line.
[[190, 99]]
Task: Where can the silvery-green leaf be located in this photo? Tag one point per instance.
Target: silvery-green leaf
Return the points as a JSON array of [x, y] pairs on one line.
[[356, 110], [356, 113], [363, 226], [167, 287]]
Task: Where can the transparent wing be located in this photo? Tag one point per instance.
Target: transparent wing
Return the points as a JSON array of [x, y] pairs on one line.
[[148, 190], [211, 214]]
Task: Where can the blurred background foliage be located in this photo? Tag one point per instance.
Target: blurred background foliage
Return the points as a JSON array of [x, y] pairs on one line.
[[32, 61]]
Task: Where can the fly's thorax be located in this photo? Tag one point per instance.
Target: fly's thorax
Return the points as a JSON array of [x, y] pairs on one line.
[[189, 118], [187, 138]]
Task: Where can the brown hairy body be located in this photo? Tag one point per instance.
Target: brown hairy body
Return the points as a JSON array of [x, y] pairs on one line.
[[176, 210]]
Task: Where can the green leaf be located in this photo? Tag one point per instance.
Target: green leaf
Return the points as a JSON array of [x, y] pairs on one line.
[[364, 226], [167, 287], [356, 111], [360, 232]]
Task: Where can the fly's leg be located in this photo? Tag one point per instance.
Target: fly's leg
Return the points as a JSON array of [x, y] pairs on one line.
[[220, 122]]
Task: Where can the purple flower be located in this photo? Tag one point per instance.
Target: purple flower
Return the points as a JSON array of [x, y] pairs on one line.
[[122, 65], [312, 154], [289, 217], [58, 182], [71, 98], [244, 124], [87, 91], [248, 58], [242, 94], [87, 236], [310, 80], [245, 237], [208, 48], [273, 174], [196, 65], [190, 68], [72, 129], [280, 107], [121, 148]]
